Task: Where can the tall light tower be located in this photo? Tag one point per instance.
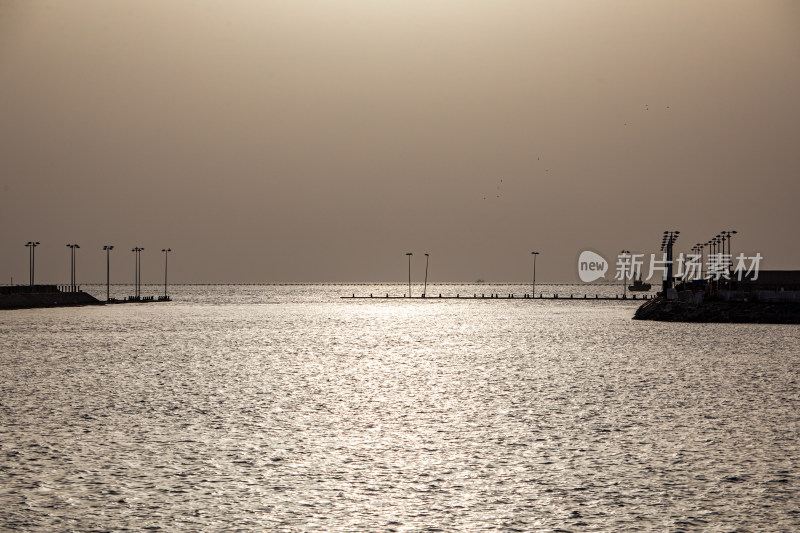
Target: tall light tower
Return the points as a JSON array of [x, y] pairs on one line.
[[31, 259], [137, 278], [135, 251], [667, 241], [727, 234], [72, 280], [166, 258], [425, 290], [108, 249], [533, 285], [409, 254], [698, 251]]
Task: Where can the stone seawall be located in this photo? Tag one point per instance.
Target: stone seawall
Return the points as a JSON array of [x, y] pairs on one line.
[[730, 312], [47, 299]]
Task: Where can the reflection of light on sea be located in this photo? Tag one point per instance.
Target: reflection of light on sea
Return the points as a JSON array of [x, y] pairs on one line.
[[283, 407]]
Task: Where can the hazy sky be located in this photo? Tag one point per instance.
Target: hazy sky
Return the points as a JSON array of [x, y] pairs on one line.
[[270, 141]]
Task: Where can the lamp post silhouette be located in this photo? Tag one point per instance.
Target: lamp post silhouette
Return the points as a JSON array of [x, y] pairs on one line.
[[135, 251], [425, 290], [137, 277], [533, 285], [72, 279], [715, 259], [108, 249], [166, 256], [624, 283], [139, 264], [409, 254], [667, 241], [699, 249], [727, 234], [31, 258]]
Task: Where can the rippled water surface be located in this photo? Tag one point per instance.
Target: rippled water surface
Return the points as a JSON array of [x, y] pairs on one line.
[[286, 408]]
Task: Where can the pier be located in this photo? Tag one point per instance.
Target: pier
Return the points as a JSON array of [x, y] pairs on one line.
[[498, 296], [33, 295], [37, 296]]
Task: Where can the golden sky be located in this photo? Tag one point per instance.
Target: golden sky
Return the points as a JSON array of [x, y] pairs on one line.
[[319, 141]]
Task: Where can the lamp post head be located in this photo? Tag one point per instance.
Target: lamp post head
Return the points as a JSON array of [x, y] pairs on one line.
[[166, 249], [409, 253]]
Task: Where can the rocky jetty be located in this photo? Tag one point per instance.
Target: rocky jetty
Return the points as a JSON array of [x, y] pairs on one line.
[[47, 299], [757, 312]]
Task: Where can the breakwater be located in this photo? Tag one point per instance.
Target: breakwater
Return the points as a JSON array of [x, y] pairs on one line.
[[739, 312], [496, 296], [31, 297], [28, 300]]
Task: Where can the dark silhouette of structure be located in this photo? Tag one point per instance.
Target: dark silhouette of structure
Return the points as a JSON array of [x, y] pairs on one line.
[[409, 254], [108, 249], [137, 279], [667, 241], [73, 283], [425, 290], [166, 257], [32, 258]]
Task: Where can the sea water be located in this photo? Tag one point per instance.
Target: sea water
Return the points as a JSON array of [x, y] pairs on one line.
[[287, 408]]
